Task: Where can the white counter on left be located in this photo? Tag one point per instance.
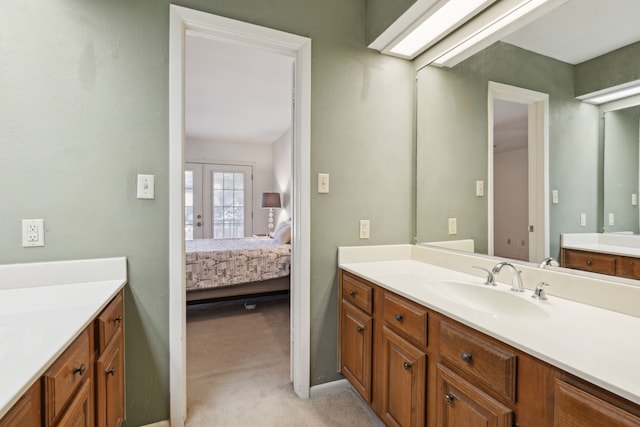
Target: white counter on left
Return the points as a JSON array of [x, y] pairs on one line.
[[43, 308]]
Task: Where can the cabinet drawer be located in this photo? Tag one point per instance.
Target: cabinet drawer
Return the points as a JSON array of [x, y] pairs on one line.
[[357, 292], [109, 322], [589, 261], [487, 362], [628, 267], [66, 375], [406, 316]]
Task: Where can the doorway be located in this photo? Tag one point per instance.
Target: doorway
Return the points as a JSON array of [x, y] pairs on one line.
[[182, 21], [518, 173]]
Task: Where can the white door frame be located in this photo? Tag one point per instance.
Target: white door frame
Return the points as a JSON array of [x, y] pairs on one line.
[[538, 136], [183, 20]]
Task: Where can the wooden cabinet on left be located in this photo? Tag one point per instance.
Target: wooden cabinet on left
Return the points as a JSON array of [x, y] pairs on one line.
[[84, 387]]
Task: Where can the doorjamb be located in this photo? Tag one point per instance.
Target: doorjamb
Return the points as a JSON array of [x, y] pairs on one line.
[[183, 20], [539, 159]]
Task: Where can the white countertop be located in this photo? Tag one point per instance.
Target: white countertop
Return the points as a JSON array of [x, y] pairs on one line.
[[595, 344], [38, 322], [607, 243]]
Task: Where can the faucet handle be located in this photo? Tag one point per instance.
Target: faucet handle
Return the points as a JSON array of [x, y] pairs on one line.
[[490, 281], [539, 292]]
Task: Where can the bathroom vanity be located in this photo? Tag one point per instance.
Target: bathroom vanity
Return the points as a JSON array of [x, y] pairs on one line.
[[604, 253], [427, 345], [62, 347]]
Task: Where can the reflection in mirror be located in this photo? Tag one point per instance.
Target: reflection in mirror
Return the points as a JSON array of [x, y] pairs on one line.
[[621, 136], [453, 131]]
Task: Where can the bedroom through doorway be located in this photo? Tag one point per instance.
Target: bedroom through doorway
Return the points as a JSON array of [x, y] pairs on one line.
[[238, 170]]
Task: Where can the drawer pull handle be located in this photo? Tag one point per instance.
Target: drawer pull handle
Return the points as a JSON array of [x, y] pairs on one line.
[[448, 398], [111, 371], [81, 370], [117, 319], [467, 357], [398, 317], [352, 293], [360, 328], [407, 365], [588, 262]]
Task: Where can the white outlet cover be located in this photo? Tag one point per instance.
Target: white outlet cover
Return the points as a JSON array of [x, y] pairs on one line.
[[32, 232], [364, 229]]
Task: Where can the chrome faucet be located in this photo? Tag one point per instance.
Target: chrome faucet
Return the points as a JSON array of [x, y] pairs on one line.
[[548, 261], [516, 280], [490, 281], [539, 292]]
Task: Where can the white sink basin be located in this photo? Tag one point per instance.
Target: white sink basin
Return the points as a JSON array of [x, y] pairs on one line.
[[496, 302]]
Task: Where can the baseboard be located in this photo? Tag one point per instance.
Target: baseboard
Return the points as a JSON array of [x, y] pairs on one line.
[[164, 423], [330, 387]]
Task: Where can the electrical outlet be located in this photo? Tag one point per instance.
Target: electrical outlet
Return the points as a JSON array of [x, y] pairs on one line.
[[612, 219], [32, 232], [364, 229], [554, 197], [583, 220], [479, 188]]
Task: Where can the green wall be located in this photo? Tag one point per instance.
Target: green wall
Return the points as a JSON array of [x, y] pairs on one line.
[[620, 66], [621, 168], [84, 108], [452, 143], [382, 13]]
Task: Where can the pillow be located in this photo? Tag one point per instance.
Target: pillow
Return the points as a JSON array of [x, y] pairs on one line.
[[280, 226], [283, 233]]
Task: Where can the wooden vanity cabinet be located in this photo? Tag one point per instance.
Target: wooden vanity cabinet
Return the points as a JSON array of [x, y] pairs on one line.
[[110, 364], [614, 265], [84, 387], [356, 333], [27, 412]]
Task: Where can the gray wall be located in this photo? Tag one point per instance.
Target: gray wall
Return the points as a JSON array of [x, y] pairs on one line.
[[382, 13], [621, 168], [621, 66], [84, 108], [452, 143]]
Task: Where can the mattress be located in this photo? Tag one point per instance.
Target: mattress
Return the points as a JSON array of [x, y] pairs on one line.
[[214, 263]]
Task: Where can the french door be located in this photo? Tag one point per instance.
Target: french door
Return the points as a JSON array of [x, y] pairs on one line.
[[218, 201]]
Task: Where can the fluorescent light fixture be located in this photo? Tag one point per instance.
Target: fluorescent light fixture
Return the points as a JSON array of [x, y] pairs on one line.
[[437, 25], [510, 16], [612, 94]]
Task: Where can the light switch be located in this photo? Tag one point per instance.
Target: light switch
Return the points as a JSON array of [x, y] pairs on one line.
[[453, 226], [634, 199], [554, 196], [611, 219], [146, 186], [479, 188], [323, 183], [364, 229], [583, 220]]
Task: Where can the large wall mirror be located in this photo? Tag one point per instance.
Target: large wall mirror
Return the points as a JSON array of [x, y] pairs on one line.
[[575, 177]]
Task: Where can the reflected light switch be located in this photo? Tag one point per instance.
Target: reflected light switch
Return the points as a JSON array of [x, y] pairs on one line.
[[323, 183]]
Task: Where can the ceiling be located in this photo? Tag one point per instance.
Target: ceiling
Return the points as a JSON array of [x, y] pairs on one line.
[[579, 30], [235, 92]]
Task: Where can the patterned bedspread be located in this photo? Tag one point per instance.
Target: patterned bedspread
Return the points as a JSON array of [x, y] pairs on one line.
[[213, 263]]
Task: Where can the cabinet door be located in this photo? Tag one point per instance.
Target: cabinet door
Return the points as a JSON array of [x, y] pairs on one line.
[[110, 384], [356, 334], [27, 411], [464, 405], [79, 413], [404, 368], [574, 407]]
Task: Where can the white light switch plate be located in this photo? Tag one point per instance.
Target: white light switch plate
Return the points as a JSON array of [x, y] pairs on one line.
[[612, 219], [634, 199], [479, 188], [146, 187], [583, 219], [453, 226], [364, 229], [554, 196], [323, 183]]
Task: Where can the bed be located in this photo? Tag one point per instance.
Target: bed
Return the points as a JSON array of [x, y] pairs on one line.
[[224, 268]]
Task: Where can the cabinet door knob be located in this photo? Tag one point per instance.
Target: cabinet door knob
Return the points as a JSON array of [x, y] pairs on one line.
[[407, 365], [111, 371], [588, 262], [467, 357], [81, 370], [448, 398], [360, 328], [352, 293], [117, 319], [398, 317]]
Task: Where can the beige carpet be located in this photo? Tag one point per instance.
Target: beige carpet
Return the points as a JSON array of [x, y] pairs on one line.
[[238, 372]]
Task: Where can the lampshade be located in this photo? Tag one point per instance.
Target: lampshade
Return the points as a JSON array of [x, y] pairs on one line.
[[270, 200]]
